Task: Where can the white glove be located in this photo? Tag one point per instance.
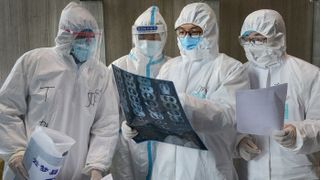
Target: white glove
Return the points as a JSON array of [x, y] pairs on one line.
[[16, 165], [248, 149], [286, 137], [127, 132], [96, 175]]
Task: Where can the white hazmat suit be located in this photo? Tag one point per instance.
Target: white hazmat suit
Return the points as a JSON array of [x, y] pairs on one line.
[[131, 160], [269, 66], [206, 81], [46, 87]]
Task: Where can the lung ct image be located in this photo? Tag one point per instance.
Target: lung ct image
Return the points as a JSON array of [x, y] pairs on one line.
[[152, 107]]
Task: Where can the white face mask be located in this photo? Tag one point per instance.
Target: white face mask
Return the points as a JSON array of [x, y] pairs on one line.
[[149, 48], [263, 56]]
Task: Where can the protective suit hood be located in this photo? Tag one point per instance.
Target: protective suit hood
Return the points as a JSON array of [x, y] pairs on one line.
[[200, 14], [150, 21], [74, 19], [270, 24]]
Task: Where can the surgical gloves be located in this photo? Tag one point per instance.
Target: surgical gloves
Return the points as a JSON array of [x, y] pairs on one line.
[[16, 165], [286, 137], [96, 175], [248, 149], [127, 132]]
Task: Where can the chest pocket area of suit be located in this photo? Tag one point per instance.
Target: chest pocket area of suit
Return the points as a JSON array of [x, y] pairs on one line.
[[92, 99], [41, 100], [43, 95]]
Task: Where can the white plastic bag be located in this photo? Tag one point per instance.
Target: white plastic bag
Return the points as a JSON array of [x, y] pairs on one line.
[[45, 153]]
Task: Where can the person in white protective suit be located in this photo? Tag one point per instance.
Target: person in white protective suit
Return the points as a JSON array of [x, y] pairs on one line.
[[149, 34], [293, 152], [67, 89], [206, 81]]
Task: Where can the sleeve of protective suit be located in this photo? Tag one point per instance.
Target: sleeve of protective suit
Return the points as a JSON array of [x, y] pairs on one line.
[[121, 167], [104, 131], [308, 131], [114, 84], [13, 107], [218, 110]]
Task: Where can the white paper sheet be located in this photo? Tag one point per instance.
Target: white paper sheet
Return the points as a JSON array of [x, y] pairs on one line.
[[45, 153], [260, 111]]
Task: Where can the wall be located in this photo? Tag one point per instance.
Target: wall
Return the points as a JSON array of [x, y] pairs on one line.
[[316, 34], [25, 25]]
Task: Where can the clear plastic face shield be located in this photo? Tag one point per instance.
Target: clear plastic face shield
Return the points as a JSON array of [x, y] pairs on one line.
[[149, 39], [85, 45]]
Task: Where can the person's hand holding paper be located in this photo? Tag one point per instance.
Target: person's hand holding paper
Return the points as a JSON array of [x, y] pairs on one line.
[[261, 112], [286, 137], [153, 111], [248, 149]]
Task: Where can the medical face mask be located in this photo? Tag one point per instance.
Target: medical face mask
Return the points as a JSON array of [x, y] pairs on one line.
[[150, 48], [263, 56], [189, 43], [81, 49]]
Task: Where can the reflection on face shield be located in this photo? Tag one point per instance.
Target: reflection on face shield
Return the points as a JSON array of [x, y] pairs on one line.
[[149, 44], [151, 37], [82, 46], [149, 47]]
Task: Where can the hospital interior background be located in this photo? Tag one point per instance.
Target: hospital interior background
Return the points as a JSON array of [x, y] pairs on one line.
[[29, 24]]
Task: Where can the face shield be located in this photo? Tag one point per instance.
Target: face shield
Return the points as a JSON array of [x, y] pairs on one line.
[[78, 34], [149, 39], [86, 44]]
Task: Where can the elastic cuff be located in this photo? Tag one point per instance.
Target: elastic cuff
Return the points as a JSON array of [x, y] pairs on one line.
[[299, 141], [87, 169]]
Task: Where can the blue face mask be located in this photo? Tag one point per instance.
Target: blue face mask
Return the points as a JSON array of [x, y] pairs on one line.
[[189, 43], [81, 49]]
